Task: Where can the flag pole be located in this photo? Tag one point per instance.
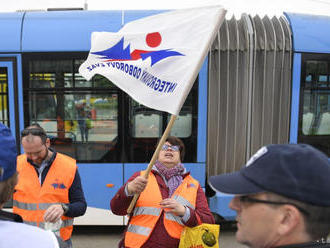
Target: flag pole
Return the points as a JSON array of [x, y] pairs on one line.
[[153, 159]]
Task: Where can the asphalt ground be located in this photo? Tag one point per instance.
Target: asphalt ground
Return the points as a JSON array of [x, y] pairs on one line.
[[109, 236]]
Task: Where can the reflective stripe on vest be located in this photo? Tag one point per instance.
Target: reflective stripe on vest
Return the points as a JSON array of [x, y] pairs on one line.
[[31, 223], [145, 231], [183, 201], [172, 217], [65, 223], [31, 200], [45, 206], [23, 205], [33, 206], [147, 211]]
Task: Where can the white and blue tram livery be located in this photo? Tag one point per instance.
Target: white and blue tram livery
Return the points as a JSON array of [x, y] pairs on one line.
[[265, 80]]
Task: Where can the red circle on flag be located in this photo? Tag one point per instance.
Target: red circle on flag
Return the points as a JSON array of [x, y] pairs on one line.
[[153, 39]]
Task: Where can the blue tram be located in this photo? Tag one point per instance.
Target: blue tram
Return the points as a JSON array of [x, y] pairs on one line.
[[265, 80]]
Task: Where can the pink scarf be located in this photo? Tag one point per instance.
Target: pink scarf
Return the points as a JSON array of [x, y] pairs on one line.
[[172, 175]]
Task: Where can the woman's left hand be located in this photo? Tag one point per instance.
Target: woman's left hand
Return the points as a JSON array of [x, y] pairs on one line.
[[173, 206]]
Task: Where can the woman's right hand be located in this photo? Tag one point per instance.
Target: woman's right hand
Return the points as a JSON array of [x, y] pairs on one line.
[[137, 185]]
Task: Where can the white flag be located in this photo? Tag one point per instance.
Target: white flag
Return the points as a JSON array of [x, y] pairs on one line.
[[156, 59]]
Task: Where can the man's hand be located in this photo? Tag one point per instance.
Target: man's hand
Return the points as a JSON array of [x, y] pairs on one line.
[[137, 185], [53, 213], [173, 206]]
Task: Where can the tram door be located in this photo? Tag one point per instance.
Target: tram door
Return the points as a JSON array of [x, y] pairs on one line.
[[8, 100], [7, 95]]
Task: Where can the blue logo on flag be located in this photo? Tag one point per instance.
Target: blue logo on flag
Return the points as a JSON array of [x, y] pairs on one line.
[[118, 52]]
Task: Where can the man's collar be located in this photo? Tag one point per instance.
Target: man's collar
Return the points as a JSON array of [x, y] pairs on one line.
[[51, 159]]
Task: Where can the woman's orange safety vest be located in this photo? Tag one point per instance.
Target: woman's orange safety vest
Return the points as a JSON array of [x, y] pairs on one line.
[[31, 199], [147, 211]]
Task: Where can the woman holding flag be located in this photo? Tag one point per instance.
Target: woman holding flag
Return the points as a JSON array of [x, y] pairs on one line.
[[170, 199]]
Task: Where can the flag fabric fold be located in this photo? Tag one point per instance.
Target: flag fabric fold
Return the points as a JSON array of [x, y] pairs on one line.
[[156, 59]]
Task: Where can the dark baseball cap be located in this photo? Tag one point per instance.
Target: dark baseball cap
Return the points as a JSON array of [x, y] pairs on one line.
[[297, 171], [8, 153]]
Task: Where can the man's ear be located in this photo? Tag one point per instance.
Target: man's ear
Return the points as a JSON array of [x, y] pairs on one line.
[[291, 218], [47, 142]]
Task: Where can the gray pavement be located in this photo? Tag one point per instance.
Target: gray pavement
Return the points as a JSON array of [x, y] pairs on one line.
[[108, 237]]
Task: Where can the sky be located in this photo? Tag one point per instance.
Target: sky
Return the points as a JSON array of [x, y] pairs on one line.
[[234, 7]]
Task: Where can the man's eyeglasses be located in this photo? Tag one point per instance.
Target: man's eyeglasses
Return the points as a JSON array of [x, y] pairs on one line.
[[246, 198], [33, 131], [174, 148]]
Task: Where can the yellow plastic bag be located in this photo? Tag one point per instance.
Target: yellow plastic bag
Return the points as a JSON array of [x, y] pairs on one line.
[[202, 236]]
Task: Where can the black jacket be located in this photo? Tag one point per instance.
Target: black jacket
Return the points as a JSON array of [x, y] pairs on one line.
[[10, 216]]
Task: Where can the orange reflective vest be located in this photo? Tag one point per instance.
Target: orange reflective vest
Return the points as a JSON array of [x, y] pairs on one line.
[[147, 211], [31, 199]]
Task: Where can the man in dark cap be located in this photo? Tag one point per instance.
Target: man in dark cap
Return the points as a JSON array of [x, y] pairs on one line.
[[13, 233], [282, 197]]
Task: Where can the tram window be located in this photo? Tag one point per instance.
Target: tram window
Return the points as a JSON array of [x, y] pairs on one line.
[[145, 122], [42, 80], [183, 124], [38, 101], [308, 78], [148, 125], [316, 116], [4, 113], [48, 73], [80, 117], [315, 108], [79, 80], [94, 121]]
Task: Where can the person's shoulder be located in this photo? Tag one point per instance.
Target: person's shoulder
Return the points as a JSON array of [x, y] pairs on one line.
[[21, 157], [193, 180], [189, 176], [62, 156], [22, 235], [187, 173]]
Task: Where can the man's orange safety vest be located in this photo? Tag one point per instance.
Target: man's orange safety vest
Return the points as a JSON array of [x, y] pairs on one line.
[[31, 199], [147, 211]]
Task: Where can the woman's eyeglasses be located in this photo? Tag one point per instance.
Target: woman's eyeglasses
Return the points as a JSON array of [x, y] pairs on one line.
[[174, 148], [249, 199]]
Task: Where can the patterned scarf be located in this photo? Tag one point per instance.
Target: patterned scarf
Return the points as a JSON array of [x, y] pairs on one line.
[[172, 175]]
